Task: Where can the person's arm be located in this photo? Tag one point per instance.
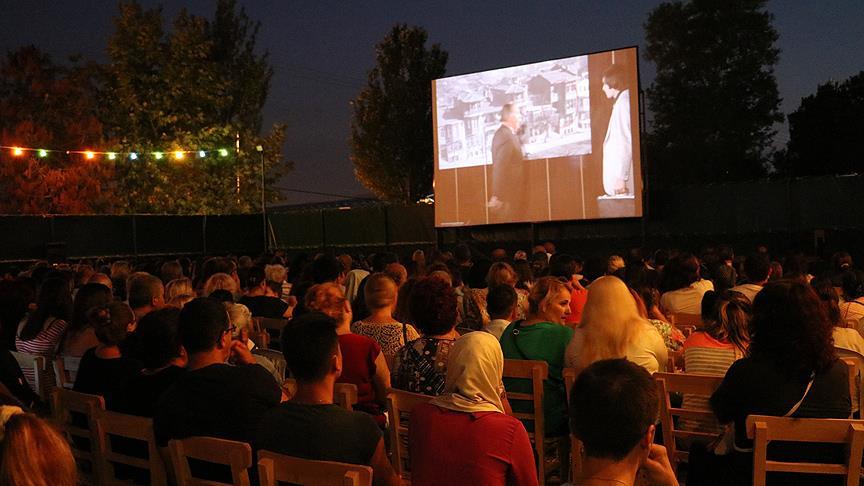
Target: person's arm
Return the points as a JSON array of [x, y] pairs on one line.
[[522, 468], [724, 400], [381, 380], [289, 311], [382, 471], [658, 468]]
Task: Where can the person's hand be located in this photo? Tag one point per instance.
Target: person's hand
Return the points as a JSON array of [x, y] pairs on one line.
[[240, 353], [657, 467]]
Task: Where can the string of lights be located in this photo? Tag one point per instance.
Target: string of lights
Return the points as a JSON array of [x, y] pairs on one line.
[[17, 151]]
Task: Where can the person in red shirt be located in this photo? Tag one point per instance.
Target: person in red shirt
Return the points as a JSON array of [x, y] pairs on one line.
[[464, 437], [567, 268]]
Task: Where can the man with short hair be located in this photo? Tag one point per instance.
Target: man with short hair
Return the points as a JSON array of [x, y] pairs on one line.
[[508, 198], [613, 411], [146, 294], [501, 305], [758, 270], [214, 398], [310, 425]]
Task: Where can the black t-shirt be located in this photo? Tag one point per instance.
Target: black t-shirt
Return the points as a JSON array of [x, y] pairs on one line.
[[265, 306], [219, 400], [320, 432], [105, 377], [141, 392]]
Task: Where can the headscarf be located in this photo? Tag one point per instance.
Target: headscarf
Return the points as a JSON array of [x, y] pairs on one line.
[[474, 370]]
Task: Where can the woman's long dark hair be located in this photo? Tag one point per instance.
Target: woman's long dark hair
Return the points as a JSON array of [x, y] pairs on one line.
[[89, 296], [791, 328], [55, 300]]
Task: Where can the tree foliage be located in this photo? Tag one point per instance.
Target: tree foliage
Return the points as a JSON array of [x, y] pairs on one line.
[[825, 131], [391, 132], [198, 85], [714, 100], [46, 105]]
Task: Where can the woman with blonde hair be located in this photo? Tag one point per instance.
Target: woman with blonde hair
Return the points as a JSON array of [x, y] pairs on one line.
[[221, 281], [380, 294], [476, 311], [178, 287], [543, 336], [363, 363], [32, 453], [613, 328]]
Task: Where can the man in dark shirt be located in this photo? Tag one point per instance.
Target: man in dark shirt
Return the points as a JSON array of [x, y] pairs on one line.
[[309, 425], [214, 398], [260, 299]]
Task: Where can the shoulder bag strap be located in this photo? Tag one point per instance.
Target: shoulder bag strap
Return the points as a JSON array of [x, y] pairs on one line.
[[806, 391]]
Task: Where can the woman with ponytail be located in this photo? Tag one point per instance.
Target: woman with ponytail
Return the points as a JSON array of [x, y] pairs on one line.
[[104, 369]]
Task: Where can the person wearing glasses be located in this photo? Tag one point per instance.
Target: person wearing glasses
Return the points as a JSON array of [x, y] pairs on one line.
[[223, 393]]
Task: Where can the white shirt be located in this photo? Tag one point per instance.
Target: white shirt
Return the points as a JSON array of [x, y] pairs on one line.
[[749, 290], [496, 327], [687, 300]]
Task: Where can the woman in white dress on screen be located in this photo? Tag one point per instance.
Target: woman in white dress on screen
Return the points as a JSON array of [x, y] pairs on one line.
[[618, 144]]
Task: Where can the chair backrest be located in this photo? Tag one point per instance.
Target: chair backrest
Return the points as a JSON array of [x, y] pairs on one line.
[[763, 429], [537, 372], [275, 357], [400, 404], [75, 414], [130, 428], [691, 383], [274, 329], [675, 361], [65, 371], [35, 366], [344, 394], [683, 321], [856, 371], [276, 468], [237, 455], [570, 375]]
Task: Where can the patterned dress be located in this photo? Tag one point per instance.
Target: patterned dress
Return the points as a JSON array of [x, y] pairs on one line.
[[390, 336], [421, 366]]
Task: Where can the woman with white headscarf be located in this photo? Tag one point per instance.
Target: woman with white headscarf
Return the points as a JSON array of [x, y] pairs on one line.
[[463, 436]]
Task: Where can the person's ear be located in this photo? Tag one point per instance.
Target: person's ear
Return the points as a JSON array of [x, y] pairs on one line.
[[648, 439]]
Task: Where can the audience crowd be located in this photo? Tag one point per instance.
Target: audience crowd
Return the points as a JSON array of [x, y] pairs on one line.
[[181, 341]]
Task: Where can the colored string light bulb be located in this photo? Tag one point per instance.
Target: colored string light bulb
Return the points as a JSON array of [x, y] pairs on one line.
[[17, 151], [179, 154], [202, 154], [158, 155], [89, 155], [112, 156], [133, 156], [223, 152], [43, 153]]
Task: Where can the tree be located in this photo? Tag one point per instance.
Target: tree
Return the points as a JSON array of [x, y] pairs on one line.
[[714, 100], [391, 133], [49, 106], [825, 131], [201, 85]]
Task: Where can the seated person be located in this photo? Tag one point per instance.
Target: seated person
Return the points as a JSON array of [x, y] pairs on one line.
[[104, 370], [464, 436], [613, 409], [260, 298], [310, 425], [683, 286], [214, 398], [164, 362], [501, 304], [363, 361], [80, 335], [380, 295], [421, 364]]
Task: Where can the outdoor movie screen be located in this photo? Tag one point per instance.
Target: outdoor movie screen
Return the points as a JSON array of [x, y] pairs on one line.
[[549, 141]]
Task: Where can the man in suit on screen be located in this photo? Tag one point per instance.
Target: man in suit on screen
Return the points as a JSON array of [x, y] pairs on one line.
[[507, 181]]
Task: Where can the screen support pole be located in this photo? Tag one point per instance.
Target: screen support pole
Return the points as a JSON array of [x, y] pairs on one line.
[[548, 194]]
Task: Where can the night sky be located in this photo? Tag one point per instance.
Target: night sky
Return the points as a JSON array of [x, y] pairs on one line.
[[322, 49]]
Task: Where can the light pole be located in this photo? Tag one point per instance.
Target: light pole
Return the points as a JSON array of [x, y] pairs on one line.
[[260, 150]]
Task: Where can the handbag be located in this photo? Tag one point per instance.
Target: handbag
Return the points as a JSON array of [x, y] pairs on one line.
[[725, 443]]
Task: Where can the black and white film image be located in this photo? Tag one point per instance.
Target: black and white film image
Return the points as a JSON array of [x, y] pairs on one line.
[[550, 97]]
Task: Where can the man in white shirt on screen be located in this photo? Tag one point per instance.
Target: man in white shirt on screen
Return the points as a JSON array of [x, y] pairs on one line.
[[618, 144], [508, 192]]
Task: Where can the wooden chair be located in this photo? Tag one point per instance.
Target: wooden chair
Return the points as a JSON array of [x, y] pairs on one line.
[[537, 372], [764, 429], [570, 375], [686, 321], [344, 394], [675, 361], [400, 405], [237, 455], [683, 383], [43, 379], [274, 329], [75, 414], [111, 425], [65, 371], [856, 371], [276, 468], [258, 334]]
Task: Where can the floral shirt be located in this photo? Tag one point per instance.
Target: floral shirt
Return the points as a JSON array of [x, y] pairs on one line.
[[672, 336]]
